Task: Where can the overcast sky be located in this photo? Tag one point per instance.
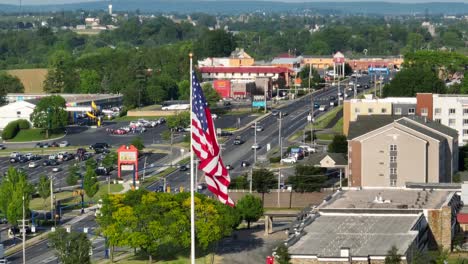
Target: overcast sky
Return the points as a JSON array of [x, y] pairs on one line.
[[36, 2]]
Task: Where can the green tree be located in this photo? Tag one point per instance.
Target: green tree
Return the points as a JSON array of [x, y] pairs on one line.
[[392, 256], [181, 119], [9, 84], [43, 188], [215, 43], [62, 77], [110, 160], [339, 144], [282, 254], [416, 79], [262, 181], [184, 90], [90, 82], [239, 183], [73, 175], [250, 208], [70, 248], [315, 78], [137, 142], [307, 178], [13, 188], [49, 114], [90, 182], [211, 96]]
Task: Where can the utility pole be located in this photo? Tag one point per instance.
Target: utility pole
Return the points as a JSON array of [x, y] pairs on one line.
[[251, 179], [355, 92], [310, 73], [279, 186], [338, 94], [24, 235], [144, 168], [255, 143], [375, 85], [51, 198], [279, 136], [265, 98]]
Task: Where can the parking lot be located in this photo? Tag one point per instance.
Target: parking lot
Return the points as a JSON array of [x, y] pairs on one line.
[[63, 167]]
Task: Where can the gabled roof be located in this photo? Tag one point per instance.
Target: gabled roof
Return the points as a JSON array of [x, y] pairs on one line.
[[338, 158], [366, 124], [435, 125], [421, 129]]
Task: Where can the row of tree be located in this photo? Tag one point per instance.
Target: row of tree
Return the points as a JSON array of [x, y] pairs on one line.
[[158, 224]]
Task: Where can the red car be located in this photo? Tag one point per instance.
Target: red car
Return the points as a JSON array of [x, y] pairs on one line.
[[119, 132]]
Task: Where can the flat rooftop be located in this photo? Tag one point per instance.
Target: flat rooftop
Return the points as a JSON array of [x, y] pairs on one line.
[[390, 199], [363, 235], [69, 98]]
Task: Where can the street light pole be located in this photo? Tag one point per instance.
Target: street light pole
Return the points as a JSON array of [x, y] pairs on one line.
[[51, 198], [24, 235], [255, 143], [279, 135], [279, 186]]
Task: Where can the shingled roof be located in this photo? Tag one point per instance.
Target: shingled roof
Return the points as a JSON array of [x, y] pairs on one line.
[[366, 124]]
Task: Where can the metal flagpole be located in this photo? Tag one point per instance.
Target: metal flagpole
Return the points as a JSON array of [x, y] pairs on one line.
[[192, 195]]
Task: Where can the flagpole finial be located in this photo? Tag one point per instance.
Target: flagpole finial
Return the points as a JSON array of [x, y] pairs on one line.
[[190, 54]]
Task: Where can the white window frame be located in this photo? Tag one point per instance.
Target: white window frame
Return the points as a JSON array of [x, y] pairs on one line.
[[411, 111], [398, 111], [437, 111], [393, 147], [452, 111], [454, 122]]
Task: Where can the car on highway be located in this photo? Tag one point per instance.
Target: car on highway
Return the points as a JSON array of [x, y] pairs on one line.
[[290, 160], [54, 144], [99, 145], [323, 108], [238, 141], [63, 144], [274, 112], [229, 167], [201, 186], [255, 146], [33, 164], [259, 128], [20, 159], [2, 146], [214, 116], [184, 167], [49, 162], [56, 169], [245, 164]]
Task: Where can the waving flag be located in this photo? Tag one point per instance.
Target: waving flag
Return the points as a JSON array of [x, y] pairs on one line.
[[205, 145]]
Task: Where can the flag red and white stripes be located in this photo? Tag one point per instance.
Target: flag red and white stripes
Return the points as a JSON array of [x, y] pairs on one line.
[[205, 145]]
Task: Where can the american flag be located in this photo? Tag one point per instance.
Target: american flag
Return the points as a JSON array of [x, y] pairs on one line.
[[205, 145]]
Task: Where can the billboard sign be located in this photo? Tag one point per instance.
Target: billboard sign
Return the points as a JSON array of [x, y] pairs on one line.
[[127, 160], [258, 104]]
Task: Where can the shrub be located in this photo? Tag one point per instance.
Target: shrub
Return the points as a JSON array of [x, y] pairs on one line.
[[275, 159], [23, 124], [10, 130]]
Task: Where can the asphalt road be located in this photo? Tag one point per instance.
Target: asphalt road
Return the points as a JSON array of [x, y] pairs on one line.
[[41, 253], [81, 135], [294, 121]]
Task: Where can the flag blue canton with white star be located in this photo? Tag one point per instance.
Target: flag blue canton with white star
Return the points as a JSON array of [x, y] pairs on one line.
[[199, 102]]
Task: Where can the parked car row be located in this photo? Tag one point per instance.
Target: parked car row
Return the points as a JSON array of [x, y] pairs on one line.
[[22, 158], [297, 153], [54, 144]]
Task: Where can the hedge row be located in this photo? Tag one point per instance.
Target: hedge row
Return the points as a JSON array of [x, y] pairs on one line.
[[14, 127]]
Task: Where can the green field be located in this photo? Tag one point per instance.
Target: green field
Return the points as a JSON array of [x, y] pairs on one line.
[[324, 120], [38, 203], [33, 134]]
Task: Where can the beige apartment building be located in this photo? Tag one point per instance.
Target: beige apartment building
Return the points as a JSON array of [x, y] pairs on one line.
[[399, 106], [389, 151]]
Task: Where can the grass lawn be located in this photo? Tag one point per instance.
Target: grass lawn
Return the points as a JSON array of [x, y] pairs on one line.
[[322, 121], [33, 134], [134, 118], [325, 136], [38, 203], [338, 127]]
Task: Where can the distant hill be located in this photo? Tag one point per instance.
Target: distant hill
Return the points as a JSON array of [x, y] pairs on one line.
[[233, 7]]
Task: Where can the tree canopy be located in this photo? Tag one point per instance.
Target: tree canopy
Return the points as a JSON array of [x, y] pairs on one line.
[[13, 188], [339, 144], [50, 114], [158, 224], [415, 79], [307, 178], [70, 248], [250, 208]]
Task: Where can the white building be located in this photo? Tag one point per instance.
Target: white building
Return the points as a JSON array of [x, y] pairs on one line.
[[452, 111], [15, 111]]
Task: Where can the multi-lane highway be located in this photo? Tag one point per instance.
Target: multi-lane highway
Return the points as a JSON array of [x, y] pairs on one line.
[[296, 120]]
